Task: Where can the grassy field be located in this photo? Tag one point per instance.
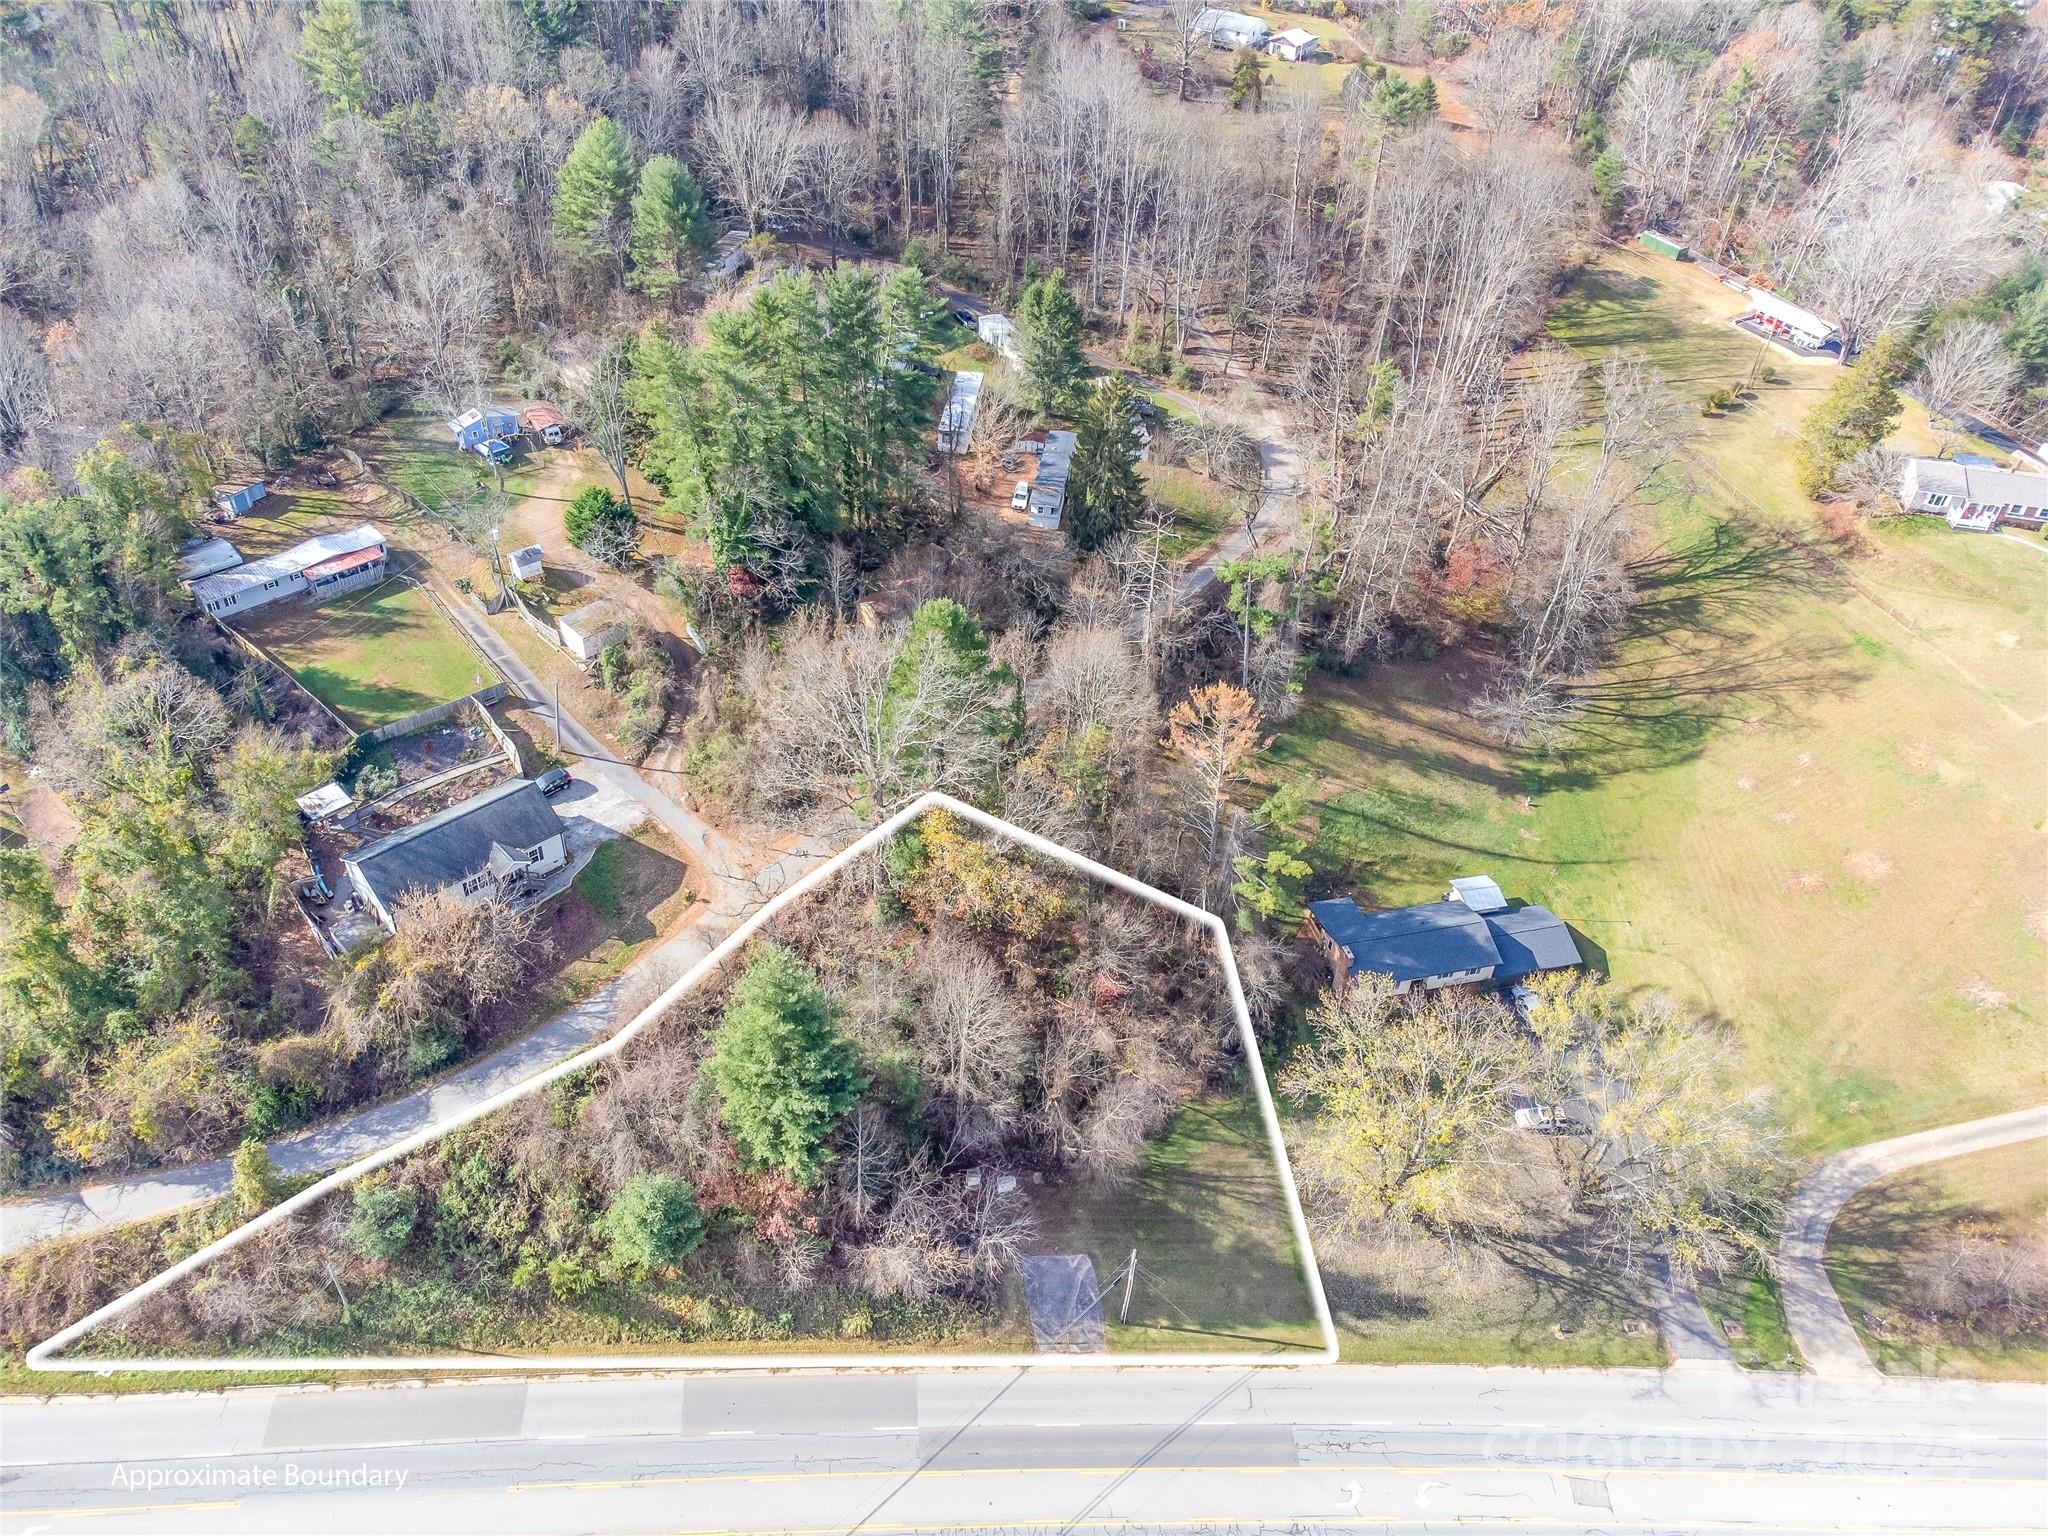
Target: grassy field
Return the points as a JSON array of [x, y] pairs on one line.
[[1808, 800], [1206, 1214], [1202, 510], [372, 657], [2005, 1191]]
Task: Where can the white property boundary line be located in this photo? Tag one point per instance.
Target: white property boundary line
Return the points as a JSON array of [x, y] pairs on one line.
[[39, 1358]]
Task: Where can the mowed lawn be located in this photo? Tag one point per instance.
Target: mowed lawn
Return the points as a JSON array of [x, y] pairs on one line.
[[1217, 1263], [1809, 797], [1899, 1222], [372, 657]]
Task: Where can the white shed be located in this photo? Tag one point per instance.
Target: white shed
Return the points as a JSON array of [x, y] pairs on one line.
[[1000, 332], [525, 563], [589, 629]]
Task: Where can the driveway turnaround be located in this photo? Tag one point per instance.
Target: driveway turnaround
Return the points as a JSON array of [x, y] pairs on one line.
[[1813, 1312]]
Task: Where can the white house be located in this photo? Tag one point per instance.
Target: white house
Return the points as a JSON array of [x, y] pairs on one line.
[[1049, 485], [1232, 29], [588, 630], [1786, 321], [1976, 497], [324, 566], [1296, 45], [956, 422], [489, 845], [1000, 332], [729, 257]]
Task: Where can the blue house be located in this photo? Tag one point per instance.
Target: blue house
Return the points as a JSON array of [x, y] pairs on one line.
[[1470, 936], [491, 424]]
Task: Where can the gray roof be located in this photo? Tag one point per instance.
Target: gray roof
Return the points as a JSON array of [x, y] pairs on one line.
[[1409, 943], [1532, 939], [1442, 937], [1984, 486], [454, 844]]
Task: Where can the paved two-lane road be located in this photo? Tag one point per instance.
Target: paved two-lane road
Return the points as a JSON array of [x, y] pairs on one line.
[[1084, 1450]]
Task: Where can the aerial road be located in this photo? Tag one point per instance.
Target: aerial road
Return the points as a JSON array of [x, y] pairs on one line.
[[1386, 1449]]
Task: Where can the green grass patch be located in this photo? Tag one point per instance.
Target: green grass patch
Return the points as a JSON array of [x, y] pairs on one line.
[[1208, 1217], [1202, 510], [1905, 1218], [1752, 1300], [1793, 803], [600, 881], [372, 657]]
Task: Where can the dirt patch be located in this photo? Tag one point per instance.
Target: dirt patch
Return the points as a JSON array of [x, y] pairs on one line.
[[1983, 994], [1868, 865], [1917, 756], [1807, 882], [2037, 924]]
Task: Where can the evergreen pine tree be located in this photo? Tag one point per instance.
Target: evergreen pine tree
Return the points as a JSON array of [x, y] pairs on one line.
[[1049, 316], [670, 227], [595, 181], [1861, 408], [332, 48], [1248, 79], [785, 1074], [1608, 171], [1105, 494]]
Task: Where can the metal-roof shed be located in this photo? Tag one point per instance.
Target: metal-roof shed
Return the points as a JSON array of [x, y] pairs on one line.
[[1479, 892], [200, 558]]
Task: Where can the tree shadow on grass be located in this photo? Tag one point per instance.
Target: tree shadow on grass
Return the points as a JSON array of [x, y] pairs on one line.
[[1692, 660]]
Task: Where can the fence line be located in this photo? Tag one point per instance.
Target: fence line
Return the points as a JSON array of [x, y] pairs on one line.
[[490, 693], [261, 653]]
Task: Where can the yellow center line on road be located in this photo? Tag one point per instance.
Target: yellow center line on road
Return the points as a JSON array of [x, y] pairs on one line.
[[1267, 1469], [75, 1513]]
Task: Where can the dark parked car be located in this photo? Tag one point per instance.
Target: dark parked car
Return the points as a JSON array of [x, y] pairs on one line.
[[554, 781], [966, 317]]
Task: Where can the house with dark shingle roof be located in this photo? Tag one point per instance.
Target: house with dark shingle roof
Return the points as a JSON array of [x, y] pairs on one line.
[[490, 844], [1470, 936]]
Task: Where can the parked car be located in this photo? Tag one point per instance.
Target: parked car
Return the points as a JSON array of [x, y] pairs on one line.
[[1020, 498], [966, 317], [554, 781]]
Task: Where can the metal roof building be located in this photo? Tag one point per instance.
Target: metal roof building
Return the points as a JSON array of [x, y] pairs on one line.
[[956, 422], [1049, 485], [200, 558], [323, 558]]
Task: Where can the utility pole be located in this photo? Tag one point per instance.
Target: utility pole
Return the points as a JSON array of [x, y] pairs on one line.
[[558, 711], [1130, 1282]]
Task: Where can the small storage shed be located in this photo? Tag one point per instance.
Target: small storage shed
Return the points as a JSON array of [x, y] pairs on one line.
[[325, 803], [525, 563], [1662, 244], [489, 424], [591, 628], [237, 497]]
